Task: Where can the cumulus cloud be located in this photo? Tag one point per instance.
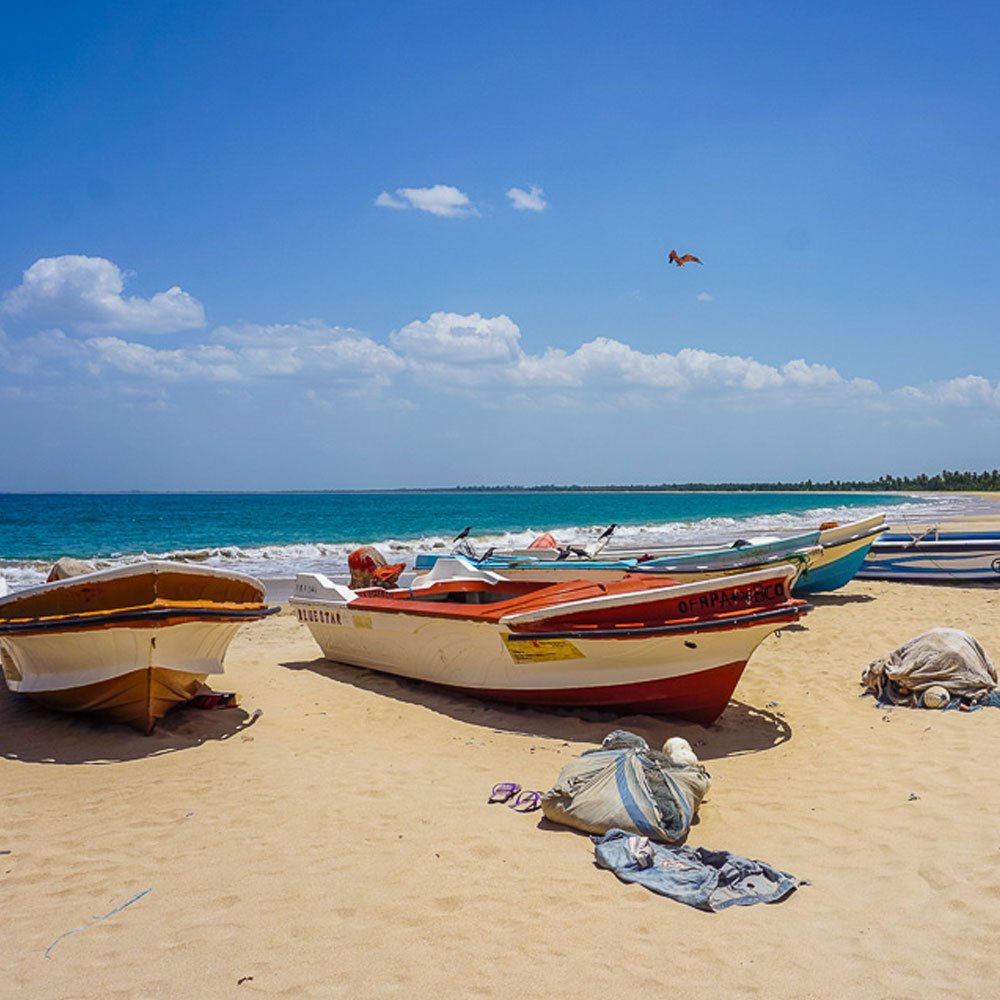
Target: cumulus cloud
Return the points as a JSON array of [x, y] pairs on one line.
[[472, 353], [256, 353], [86, 293], [458, 351], [312, 349], [705, 297], [966, 390], [459, 340], [310, 353], [439, 199], [386, 200], [531, 200], [204, 361]]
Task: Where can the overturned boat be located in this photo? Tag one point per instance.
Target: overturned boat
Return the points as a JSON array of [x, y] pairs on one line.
[[128, 643], [639, 644]]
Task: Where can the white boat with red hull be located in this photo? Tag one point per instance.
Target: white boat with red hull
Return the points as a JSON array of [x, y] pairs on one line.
[[638, 644]]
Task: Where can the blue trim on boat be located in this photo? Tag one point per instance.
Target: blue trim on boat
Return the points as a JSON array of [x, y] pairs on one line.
[[944, 536], [931, 548], [833, 575], [882, 569]]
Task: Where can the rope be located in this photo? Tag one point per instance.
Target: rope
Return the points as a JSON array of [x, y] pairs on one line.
[[935, 529], [110, 913]]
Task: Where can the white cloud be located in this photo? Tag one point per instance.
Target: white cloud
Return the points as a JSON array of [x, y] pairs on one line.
[[705, 297], [482, 356], [204, 361], [40, 353], [310, 352], [86, 293], [457, 351], [386, 200], [459, 340], [439, 199], [531, 200], [966, 390]]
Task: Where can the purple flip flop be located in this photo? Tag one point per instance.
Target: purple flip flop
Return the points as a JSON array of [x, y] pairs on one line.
[[503, 791], [526, 801]]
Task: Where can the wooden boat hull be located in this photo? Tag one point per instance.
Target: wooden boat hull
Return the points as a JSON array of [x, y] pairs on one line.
[[690, 676], [139, 698], [687, 668], [126, 673], [838, 564], [63, 646]]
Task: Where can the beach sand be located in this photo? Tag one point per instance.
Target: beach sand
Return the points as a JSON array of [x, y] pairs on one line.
[[340, 845]]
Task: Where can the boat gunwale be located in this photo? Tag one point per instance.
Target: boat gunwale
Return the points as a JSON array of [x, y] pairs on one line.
[[732, 620], [404, 602], [157, 617], [152, 566], [859, 536], [931, 546]]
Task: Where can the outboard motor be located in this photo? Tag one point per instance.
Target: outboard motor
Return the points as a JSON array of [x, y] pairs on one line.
[[369, 569]]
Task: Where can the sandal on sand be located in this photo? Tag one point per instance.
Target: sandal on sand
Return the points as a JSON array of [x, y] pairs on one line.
[[526, 802], [503, 791]]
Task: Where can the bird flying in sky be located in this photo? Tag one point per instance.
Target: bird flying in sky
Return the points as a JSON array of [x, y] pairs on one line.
[[688, 258]]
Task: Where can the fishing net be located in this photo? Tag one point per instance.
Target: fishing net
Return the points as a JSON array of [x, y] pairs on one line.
[[626, 785]]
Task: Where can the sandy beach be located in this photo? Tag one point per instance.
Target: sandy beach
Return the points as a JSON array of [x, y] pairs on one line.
[[340, 843]]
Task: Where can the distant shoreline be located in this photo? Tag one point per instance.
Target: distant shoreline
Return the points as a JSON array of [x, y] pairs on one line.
[[783, 488]]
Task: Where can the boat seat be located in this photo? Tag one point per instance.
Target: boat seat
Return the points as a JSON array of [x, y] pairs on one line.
[[453, 568]]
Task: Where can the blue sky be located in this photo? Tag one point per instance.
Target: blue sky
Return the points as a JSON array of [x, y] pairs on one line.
[[314, 245]]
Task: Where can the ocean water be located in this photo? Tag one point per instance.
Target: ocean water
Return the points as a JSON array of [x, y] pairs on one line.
[[275, 535]]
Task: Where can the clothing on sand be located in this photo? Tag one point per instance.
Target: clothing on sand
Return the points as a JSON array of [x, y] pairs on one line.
[[707, 880]]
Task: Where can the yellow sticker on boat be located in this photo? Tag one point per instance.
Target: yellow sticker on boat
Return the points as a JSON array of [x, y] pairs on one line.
[[540, 650], [362, 621]]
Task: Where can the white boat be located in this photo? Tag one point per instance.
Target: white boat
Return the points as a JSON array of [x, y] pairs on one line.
[[129, 643], [641, 644]]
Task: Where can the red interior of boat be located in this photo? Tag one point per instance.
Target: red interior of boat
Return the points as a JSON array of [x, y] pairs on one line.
[[482, 601]]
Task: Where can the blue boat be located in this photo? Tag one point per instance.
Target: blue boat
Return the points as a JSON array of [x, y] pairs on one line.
[[827, 559], [935, 555]]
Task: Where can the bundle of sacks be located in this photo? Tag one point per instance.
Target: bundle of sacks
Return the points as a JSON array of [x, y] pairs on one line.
[[625, 785], [933, 670]]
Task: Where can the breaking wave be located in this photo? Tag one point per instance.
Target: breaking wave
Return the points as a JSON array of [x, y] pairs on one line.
[[282, 562]]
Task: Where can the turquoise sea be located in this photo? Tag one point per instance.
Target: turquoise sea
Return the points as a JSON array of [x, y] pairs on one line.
[[274, 535]]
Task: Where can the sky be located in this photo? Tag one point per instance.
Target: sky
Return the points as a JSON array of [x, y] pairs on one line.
[[259, 246]]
